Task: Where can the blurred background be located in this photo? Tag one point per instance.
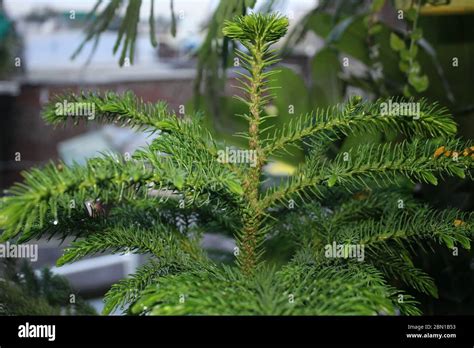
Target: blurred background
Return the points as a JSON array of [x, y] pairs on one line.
[[334, 49]]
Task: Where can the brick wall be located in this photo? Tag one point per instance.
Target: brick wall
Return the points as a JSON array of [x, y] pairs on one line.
[[23, 130]]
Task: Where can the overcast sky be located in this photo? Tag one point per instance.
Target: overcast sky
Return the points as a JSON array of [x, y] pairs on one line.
[[194, 8], [20, 7], [193, 13]]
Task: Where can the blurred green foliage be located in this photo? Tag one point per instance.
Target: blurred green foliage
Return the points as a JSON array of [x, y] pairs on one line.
[[24, 292]]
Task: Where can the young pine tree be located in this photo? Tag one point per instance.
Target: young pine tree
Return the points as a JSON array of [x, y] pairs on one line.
[[162, 200]]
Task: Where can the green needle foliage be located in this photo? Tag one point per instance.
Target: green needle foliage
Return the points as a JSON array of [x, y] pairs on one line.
[[163, 199]]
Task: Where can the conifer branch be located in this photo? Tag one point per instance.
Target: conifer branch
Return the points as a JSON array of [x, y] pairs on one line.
[[449, 227], [361, 117], [318, 290], [131, 111], [128, 290], [376, 164], [398, 266], [256, 33], [110, 107], [371, 204], [111, 179], [159, 241], [199, 156], [45, 192]]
